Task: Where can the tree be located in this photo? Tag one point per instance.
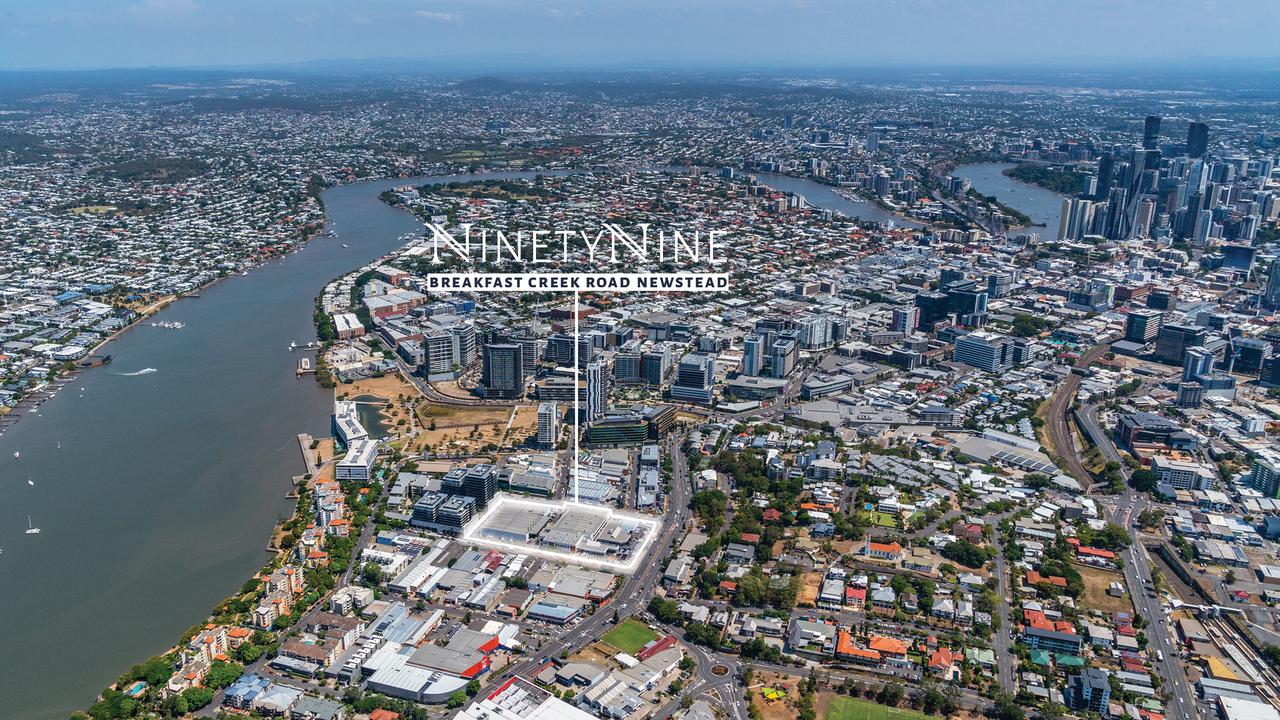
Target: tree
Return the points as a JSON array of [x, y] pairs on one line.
[[965, 553], [702, 634], [1052, 711], [890, 694], [177, 705], [1111, 537], [473, 688], [1150, 518], [456, 700], [666, 611], [222, 674], [1144, 480], [371, 573], [710, 507], [247, 652], [1006, 708], [197, 697], [1272, 654]]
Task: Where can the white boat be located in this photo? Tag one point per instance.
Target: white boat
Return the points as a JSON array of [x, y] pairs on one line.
[[16, 454], [344, 245], [31, 529]]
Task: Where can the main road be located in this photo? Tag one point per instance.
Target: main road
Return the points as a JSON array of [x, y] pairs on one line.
[[1137, 575]]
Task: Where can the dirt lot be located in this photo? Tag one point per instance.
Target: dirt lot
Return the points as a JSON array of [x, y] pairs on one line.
[[389, 387], [1095, 590], [809, 592], [450, 388], [453, 430], [594, 655], [399, 394]]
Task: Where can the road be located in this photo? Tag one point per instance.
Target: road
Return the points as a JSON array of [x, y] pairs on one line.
[[435, 396], [1001, 639], [1124, 510], [632, 597], [1137, 577]]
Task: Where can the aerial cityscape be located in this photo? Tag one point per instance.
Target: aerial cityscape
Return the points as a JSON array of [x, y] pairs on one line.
[[751, 381]]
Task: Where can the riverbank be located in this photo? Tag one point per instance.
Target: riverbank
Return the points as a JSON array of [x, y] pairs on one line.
[[824, 195], [182, 499], [11, 416], [180, 503], [31, 402], [1043, 208]]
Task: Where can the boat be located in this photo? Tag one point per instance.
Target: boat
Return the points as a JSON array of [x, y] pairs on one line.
[[293, 345], [31, 529], [344, 245], [16, 454]]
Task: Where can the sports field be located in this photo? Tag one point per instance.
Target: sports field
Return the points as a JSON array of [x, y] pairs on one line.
[[630, 635], [847, 708]]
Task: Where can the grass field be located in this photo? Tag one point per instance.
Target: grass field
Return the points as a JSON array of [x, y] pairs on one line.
[[1095, 595], [880, 519], [629, 636], [847, 708]]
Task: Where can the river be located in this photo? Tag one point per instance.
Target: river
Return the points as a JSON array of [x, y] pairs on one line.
[[156, 492], [1039, 204], [825, 196]]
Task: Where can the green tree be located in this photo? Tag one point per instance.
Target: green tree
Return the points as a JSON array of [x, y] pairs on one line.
[[197, 697], [222, 674], [1144, 480], [372, 573], [965, 553], [247, 652], [666, 611]]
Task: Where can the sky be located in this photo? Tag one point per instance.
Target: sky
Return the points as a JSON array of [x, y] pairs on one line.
[[84, 34]]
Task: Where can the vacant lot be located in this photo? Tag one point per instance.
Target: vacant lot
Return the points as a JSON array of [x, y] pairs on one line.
[[1095, 595], [455, 430], [387, 387], [840, 707], [594, 654], [630, 635], [809, 591]]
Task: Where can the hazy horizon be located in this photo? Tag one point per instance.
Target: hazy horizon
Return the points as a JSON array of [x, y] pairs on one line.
[[564, 34]]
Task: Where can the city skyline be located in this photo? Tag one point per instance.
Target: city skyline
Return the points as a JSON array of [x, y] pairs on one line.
[[576, 361]]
